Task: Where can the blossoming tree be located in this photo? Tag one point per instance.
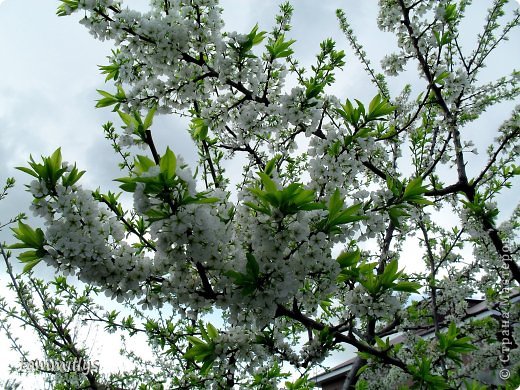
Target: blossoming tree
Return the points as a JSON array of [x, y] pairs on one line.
[[305, 255]]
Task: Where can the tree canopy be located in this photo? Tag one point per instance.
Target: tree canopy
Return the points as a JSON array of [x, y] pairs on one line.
[[305, 255]]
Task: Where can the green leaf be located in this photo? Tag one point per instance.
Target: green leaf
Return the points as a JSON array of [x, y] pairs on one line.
[[379, 107], [288, 200], [112, 71], [254, 37], [28, 171], [361, 108], [421, 372], [413, 192], [390, 274], [374, 103], [55, 159], [440, 78], [395, 213], [260, 209], [269, 184], [335, 149], [452, 346], [437, 36], [212, 331], [30, 265], [143, 164], [364, 355], [148, 121], [127, 119], [120, 95], [280, 48], [410, 287], [199, 129], [198, 352], [348, 259], [129, 183], [335, 203], [349, 113], [66, 7], [474, 385], [348, 215], [269, 167], [237, 276], [168, 164], [249, 281], [107, 100], [206, 367], [371, 283], [394, 185], [333, 220], [362, 384], [31, 238], [29, 256], [450, 12], [204, 201], [312, 206], [382, 345], [72, 177], [252, 267], [195, 340], [413, 188]]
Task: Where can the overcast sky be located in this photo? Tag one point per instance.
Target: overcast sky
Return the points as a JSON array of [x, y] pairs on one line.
[[49, 77]]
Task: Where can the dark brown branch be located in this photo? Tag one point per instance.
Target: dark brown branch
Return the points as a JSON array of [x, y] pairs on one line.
[[451, 189], [433, 290], [129, 226], [210, 163], [374, 169], [151, 145], [504, 252], [438, 158], [246, 148], [350, 381], [493, 158], [390, 328], [208, 292], [282, 311]]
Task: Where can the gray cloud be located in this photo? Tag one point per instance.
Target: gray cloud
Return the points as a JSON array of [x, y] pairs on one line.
[[49, 77]]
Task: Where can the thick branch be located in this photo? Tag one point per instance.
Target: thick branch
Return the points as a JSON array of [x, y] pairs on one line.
[[350, 381], [282, 311]]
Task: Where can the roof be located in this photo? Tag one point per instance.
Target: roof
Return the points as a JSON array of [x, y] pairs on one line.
[[477, 308]]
